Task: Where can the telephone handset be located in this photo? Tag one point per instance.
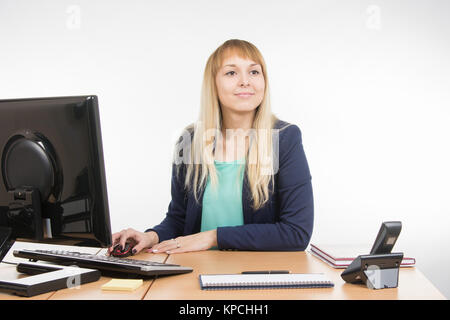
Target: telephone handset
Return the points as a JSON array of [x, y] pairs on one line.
[[386, 238]]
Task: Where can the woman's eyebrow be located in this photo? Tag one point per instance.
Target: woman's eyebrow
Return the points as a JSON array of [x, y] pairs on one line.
[[233, 65]]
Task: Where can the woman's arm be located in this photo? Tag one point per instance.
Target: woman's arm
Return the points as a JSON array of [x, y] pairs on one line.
[[294, 227]]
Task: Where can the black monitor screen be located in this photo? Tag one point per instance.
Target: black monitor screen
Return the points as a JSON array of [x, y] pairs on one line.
[[53, 184]]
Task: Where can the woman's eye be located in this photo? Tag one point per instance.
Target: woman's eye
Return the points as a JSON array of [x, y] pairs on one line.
[[253, 72]]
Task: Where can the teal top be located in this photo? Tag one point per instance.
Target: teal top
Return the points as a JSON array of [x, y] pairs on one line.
[[222, 207]]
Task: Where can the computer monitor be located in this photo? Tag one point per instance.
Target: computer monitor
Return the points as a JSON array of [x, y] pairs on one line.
[[52, 177]]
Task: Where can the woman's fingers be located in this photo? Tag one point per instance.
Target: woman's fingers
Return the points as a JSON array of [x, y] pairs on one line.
[[121, 238], [142, 241], [166, 245], [114, 240], [194, 242], [138, 247], [176, 250]]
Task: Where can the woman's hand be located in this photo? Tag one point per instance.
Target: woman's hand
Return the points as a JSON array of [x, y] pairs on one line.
[[194, 242], [138, 240]]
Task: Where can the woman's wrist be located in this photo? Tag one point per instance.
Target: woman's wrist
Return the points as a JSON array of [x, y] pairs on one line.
[[213, 237], [153, 238]]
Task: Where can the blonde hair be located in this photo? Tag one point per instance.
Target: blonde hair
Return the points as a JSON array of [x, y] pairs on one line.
[[200, 164]]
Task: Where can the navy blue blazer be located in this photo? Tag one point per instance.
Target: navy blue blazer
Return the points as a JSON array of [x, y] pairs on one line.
[[285, 223]]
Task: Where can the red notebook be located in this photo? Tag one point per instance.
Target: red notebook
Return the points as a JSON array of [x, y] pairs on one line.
[[340, 256]]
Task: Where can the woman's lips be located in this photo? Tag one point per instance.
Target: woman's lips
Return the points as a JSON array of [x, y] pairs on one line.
[[244, 95]]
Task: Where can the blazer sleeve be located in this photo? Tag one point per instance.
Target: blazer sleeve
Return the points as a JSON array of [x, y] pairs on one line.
[[173, 224], [293, 227]]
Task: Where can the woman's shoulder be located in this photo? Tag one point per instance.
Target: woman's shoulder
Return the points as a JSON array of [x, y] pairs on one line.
[[286, 130], [186, 135], [281, 124]]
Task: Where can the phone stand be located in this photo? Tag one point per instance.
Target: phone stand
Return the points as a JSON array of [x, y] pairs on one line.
[[378, 271]]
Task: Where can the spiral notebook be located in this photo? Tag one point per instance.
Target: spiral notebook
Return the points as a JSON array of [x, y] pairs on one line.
[[264, 281]]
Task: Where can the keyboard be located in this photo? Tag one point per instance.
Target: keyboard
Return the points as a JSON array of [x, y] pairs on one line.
[[107, 265]]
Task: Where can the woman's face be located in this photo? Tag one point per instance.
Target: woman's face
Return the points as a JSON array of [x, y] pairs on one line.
[[240, 84]]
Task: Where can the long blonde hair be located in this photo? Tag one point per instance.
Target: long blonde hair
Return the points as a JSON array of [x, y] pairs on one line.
[[200, 164]]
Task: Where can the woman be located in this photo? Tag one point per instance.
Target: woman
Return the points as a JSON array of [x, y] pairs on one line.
[[253, 194]]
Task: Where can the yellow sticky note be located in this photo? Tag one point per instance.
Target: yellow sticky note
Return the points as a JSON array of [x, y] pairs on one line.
[[122, 284]]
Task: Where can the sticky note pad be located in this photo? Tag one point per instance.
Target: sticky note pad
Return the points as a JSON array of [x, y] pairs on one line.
[[122, 284]]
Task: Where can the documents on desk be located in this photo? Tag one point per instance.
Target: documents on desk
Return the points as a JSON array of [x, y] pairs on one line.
[[341, 256]]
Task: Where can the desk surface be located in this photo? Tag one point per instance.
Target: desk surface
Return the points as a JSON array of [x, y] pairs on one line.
[[412, 283]]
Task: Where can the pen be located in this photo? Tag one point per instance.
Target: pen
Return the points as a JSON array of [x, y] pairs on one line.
[[266, 272]]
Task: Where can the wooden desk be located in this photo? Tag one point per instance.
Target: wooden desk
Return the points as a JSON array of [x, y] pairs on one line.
[[412, 283]]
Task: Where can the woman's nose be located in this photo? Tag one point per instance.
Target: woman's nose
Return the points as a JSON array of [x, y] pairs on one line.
[[245, 81]]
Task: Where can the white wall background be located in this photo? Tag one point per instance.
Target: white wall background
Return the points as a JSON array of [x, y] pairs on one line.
[[368, 82]]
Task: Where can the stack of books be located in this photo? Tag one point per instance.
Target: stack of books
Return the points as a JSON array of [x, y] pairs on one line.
[[340, 256]]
